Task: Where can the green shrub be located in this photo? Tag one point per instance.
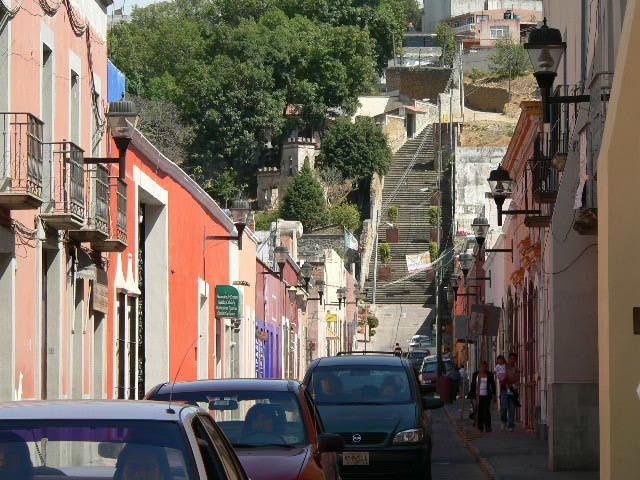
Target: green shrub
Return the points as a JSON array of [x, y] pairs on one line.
[[392, 213], [266, 218], [435, 216], [304, 201], [477, 74], [346, 215], [434, 250], [384, 250]]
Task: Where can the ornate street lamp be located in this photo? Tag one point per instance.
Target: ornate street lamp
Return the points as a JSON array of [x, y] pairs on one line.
[[502, 187], [292, 291], [466, 263], [320, 287], [281, 253], [480, 227], [342, 296], [122, 119], [454, 283], [307, 273], [545, 48]]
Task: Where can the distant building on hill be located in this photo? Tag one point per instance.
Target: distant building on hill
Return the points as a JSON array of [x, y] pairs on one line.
[[484, 21]]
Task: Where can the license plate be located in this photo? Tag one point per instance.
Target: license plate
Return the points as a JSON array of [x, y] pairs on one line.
[[355, 458]]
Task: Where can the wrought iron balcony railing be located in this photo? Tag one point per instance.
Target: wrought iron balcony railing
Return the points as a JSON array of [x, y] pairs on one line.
[[545, 177], [21, 163], [117, 240], [64, 206], [96, 205]]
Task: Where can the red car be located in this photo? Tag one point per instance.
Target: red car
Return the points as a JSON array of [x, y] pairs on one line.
[[273, 425]]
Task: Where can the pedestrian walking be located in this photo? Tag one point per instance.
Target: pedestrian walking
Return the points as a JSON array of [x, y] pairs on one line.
[[501, 373], [483, 389], [509, 396], [397, 351]]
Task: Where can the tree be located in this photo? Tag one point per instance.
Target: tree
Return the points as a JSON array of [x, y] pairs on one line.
[[336, 185], [510, 60], [358, 150], [224, 186], [266, 218], [414, 14], [162, 124], [446, 39], [304, 201], [345, 215]]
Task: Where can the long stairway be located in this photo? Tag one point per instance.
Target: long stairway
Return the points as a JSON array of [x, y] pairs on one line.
[[413, 221]]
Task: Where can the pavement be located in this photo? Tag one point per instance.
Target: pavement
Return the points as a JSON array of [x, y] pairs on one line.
[[450, 459], [504, 455]]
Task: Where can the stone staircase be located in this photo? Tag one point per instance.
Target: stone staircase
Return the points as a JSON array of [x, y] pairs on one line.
[[413, 222]]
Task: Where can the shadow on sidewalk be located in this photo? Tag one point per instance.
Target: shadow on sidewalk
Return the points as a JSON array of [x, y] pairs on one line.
[[516, 455]]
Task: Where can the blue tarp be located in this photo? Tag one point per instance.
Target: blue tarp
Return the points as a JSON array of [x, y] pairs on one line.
[[116, 83]]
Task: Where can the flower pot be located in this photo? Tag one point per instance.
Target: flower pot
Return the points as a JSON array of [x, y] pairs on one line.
[[384, 273], [436, 234], [393, 235]]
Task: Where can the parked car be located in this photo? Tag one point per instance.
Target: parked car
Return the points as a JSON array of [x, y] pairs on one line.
[[270, 423], [416, 357], [419, 342], [113, 440], [428, 376], [374, 403]]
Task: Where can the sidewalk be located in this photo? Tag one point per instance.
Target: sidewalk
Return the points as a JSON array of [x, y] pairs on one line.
[[508, 455]]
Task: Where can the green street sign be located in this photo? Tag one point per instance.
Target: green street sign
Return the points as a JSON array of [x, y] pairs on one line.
[[228, 302]]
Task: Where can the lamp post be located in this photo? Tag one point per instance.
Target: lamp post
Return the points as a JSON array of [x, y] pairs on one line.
[[122, 118], [466, 263], [502, 187], [307, 273], [545, 48], [480, 227], [281, 253]]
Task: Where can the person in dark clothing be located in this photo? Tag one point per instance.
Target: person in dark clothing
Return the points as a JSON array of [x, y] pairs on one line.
[[483, 389]]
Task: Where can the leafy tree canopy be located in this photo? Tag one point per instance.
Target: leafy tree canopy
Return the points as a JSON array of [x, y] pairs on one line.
[[304, 201], [385, 20], [345, 215], [510, 60], [357, 149], [446, 39], [231, 67]]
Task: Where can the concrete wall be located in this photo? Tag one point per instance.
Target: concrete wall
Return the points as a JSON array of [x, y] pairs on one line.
[[618, 277], [373, 105], [435, 11], [418, 83], [592, 31], [486, 99], [396, 131], [473, 165]]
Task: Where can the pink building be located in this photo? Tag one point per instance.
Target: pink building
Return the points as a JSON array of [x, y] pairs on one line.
[[53, 59]]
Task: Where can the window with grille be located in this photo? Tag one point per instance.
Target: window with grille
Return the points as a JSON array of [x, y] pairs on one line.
[[500, 31]]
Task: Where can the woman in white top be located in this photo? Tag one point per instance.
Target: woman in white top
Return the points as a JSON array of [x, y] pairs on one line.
[[483, 389]]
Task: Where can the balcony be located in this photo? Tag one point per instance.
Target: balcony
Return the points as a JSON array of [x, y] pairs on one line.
[[545, 178], [64, 202], [20, 161], [558, 143], [96, 227], [117, 239]]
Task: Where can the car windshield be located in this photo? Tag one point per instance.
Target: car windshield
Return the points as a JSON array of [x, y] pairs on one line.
[[120, 450], [362, 384], [430, 367], [252, 419]]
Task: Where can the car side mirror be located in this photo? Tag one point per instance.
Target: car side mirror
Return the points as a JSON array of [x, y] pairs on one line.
[[431, 403], [330, 442]]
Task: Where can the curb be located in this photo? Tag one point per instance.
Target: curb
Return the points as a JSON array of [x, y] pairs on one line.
[[485, 466]]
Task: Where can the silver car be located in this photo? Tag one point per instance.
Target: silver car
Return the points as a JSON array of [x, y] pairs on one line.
[[119, 440]]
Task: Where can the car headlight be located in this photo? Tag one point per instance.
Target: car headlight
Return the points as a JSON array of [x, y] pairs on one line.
[[413, 435]]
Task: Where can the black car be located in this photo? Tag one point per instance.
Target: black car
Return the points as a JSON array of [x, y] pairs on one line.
[[374, 403]]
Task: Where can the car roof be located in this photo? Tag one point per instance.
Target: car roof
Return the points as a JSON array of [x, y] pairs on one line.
[[390, 360], [93, 409], [235, 384]]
